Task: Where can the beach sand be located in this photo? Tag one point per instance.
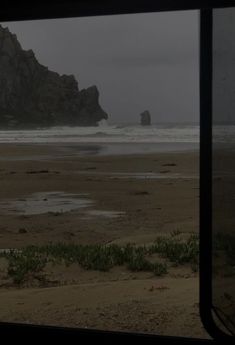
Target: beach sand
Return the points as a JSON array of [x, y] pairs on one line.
[[130, 199]]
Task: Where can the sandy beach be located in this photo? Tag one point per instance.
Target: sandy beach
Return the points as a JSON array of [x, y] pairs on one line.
[[95, 199]]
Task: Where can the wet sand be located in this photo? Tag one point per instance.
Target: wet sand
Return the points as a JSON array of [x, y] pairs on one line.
[[130, 199]]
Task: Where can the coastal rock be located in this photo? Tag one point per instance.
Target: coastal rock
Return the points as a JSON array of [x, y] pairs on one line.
[[145, 118], [31, 95]]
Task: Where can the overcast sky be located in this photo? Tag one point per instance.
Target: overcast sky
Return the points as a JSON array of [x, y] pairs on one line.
[[138, 62]]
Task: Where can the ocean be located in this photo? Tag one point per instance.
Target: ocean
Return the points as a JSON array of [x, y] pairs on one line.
[[105, 133], [111, 139]]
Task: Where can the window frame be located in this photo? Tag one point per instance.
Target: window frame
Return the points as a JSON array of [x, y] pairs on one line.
[[206, 171]]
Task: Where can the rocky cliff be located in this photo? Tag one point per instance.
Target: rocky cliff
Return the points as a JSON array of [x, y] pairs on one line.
[[31, 95], [145, 118]]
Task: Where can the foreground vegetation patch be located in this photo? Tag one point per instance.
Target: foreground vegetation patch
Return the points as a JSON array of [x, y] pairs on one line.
[[31, 260]]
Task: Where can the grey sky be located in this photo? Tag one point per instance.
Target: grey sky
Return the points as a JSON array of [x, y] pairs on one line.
[[138, 61]]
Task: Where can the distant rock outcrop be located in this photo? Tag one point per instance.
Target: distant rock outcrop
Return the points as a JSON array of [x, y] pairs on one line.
[[31, 95], [145, 118]]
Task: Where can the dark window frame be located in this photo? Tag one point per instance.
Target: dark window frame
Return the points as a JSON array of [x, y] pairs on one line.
[[14, 10], [206, 171], [22, 10]]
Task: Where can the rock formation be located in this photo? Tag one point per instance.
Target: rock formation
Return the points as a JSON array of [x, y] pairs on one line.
[[31, 95], [145, 118]]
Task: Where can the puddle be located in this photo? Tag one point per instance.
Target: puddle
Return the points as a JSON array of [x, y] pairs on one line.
[[39, 203], [155, 176], [106, 214], [141, 175], [55, 203]]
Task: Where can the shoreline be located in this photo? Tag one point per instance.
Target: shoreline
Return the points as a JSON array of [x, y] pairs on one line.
[[71, 150], [26, 151]]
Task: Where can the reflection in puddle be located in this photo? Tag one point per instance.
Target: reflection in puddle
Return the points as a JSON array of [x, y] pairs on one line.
[[106, 214], [38, 203], [151, 175], [140, 175]]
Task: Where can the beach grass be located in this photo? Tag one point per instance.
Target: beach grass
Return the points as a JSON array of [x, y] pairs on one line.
[[176, 250], [31, 260]]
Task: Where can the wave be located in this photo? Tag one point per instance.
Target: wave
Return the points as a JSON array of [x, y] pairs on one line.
[[105, 134]]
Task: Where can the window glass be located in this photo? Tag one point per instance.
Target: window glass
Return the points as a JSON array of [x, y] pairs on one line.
[[223, 168], [99, 150]]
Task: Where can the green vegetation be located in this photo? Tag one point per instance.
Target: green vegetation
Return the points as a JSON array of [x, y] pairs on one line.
[[178, 251], [21, 265], [176, 233], [31, 260]]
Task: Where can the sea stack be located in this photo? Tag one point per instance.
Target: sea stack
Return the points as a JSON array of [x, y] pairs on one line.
[[145, 118], [32, 95]]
